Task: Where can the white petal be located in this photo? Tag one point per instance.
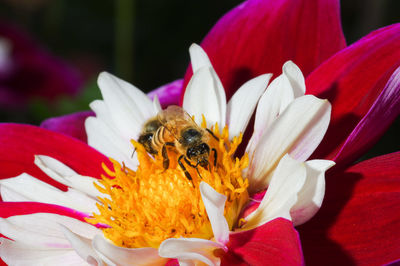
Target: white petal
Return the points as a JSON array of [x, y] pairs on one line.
[[242, 104], [156, 104], [295, 77], [214, 203], [113, 254], [102, 112], [198, 57], [273, 102], [286, 182], [310, 197], [119, 118], [104, 124], [190, 250], [53, 166], [17, 253], [129, 107], [65, 175], [42, 230], [279, 94], [315, 124], [205, 95], [297, 131], [82, 246], [110, 143], [27, 188]]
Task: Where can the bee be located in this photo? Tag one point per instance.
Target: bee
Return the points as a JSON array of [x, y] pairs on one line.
[[175, 128]]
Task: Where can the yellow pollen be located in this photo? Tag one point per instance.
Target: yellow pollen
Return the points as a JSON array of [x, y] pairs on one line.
[[144, 207]]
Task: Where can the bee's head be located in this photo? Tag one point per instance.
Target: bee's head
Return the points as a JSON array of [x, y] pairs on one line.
[[199, 154]]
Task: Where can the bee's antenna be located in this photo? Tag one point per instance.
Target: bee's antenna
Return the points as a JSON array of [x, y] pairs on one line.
[[133, 153]]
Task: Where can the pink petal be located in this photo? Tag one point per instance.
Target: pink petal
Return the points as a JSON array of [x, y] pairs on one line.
[[259, 36], [382, 113], [19, 144], [169, 94], [360, 217], [274, 243], [71, 124], [352, 81]]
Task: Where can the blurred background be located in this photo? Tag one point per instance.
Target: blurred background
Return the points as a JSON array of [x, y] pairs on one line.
[[48, 44]]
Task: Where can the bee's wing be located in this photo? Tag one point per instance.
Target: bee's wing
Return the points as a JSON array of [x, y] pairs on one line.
[[174, 118]]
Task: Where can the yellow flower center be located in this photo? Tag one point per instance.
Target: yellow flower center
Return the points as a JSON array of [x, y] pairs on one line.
[[147, 206]]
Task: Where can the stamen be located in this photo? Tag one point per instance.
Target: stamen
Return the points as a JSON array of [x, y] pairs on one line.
[[144, 207]]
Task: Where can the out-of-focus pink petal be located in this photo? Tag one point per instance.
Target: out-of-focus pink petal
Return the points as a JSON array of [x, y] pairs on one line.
[[21, 142], [259, 36], [274, 243], [8, 209], [33, 71], [352, 80], [72, 124], [169, 94], [360, 217], [382, 113]]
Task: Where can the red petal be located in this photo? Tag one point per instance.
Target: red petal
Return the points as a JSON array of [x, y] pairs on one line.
[[274, 243], [360, 218], [259, 36], [8, 209], [382, 113], [19, 143], [352, 80], [72, 124]]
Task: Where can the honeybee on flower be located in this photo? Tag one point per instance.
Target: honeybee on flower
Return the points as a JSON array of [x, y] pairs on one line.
[[174, 128]]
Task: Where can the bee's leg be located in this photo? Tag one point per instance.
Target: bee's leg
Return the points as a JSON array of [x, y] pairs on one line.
[[212, 134], [165, 156], [194, 166], [184, 168], [188, 162], [215, 156]]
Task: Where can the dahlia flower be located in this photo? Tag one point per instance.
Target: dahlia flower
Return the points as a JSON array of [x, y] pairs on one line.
[[149, 214], [358, 221]]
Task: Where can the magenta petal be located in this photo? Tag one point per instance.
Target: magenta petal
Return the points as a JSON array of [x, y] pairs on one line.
[[382, 113], [359, 221], [19, 144], [259, 36], [352, 81], [72, 124], [168, 94], [274, 243]]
